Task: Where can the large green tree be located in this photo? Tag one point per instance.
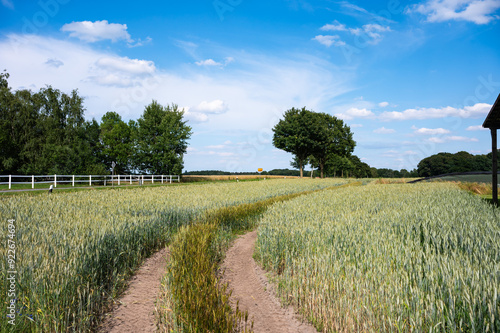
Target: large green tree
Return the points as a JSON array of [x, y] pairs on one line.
[[296, 133], [161, 137], [312, 136], [116, 140], [333, 137]]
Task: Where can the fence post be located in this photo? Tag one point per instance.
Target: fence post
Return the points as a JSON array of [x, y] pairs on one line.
[[10, 182], [170, 179], [73, 182], [90, 180], [142, 182], [130, 179], [55, 180], [32, 181], [152, 179], [119, 180]]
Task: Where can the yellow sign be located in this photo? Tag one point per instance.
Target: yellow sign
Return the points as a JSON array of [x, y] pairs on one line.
[[260, 170]]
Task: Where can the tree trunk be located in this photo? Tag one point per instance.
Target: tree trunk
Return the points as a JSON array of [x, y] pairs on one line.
[[312, 172], [321, 166], [301, 167]]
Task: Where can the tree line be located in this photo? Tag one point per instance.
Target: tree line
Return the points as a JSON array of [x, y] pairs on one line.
[[46, 133], [462, 161]]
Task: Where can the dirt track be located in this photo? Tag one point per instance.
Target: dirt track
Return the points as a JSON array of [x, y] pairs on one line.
[[251, 288], [135, 312]]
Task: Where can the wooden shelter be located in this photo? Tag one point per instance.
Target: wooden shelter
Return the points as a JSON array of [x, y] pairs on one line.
[[492, 122]]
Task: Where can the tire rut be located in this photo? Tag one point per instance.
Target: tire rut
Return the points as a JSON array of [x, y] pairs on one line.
[[253, 292]]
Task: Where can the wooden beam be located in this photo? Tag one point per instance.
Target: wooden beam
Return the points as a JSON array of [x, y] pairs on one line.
[[495, 165]]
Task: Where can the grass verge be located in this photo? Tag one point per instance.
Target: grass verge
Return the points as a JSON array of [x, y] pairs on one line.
[[192, 297]]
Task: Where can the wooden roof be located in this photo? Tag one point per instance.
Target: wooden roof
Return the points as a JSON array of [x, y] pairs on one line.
[[493, 118]]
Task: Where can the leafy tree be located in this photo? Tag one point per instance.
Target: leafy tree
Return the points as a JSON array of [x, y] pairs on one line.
[[296, 134], [333, 137], [116, 140], [360, 169], [161, 139]]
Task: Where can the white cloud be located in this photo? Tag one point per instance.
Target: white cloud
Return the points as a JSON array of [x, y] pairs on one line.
[[329, 40], [195, 117], [384, 130], [476, 128], [216, 107], [213, 63], [436, 140], [126, 65], [477, 110], [461, 138], [355, 113], [96, 31], [477, 11], [201, 112], [383, 104], [334, 27], [8, 4], [431, 131], [373, 33], [451, 138], [208, 62], [356, 125]]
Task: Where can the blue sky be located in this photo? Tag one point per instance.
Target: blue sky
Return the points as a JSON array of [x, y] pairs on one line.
[[412, 78]]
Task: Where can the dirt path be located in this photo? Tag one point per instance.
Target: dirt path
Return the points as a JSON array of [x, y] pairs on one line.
[[254, 293], [135, 312]]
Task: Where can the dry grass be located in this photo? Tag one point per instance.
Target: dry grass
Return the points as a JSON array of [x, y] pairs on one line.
[[391, 181], [476, 188]]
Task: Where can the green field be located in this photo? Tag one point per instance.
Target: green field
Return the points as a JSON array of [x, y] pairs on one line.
[[398, 257], [74, 251], [387, 258]]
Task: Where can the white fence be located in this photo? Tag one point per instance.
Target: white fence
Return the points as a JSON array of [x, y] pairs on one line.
[[87, 179]]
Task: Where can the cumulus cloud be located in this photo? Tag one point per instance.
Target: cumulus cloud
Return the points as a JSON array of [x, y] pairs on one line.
[[476, 128], [476, 11], [384, 130], [430, 131], [329, 40], [120, 71], [355, 113], [96, 31], [126, 65], [201, 112], [216, 107], [477, 110], [383, 104]]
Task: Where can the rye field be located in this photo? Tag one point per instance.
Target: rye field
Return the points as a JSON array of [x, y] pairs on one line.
[[387, 258], [72, 252]]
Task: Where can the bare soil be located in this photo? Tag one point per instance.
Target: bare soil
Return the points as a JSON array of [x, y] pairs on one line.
[[255, 294], [134, 311]]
